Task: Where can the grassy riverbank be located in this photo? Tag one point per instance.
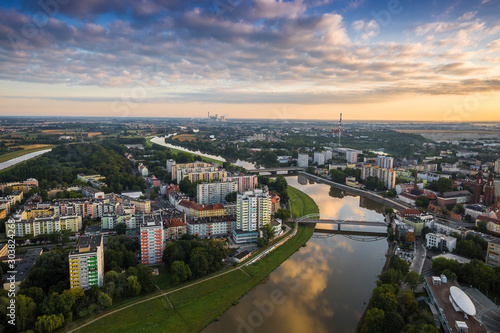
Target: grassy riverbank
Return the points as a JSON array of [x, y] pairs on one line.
[[192, 308], [302, 204]]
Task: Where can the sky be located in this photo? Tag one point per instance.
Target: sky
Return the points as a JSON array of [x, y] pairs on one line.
[[425, 60]]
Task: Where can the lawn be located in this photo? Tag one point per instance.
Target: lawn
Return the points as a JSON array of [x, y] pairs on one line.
[[18, 153], [302, 204], [197, 306]]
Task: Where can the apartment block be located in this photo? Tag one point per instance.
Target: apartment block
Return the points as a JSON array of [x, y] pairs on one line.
[[493, 254], [86, 263], [388, 176], [319, 158], [214, 193], [303, 160], [152, 239], [253, 212], [245, 182]]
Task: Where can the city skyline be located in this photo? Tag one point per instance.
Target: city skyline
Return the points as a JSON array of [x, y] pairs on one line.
[[371, 60]]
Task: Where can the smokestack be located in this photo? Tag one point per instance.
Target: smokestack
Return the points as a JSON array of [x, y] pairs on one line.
[[340, 128], [415, 185], [208, 114]]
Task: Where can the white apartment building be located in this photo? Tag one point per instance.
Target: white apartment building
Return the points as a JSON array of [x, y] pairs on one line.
[[319, 158], [303, 160], [253, 210], [213, 193], [86, 263]]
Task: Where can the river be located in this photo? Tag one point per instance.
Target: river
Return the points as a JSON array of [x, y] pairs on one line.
[[161, 141], [323, 287], [23, 158]]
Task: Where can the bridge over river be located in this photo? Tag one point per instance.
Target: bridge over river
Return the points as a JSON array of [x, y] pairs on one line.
[[319, 219]]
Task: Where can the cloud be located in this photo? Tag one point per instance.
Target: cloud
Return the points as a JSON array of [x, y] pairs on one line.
[[467, 16], [494, 46], [261, 51]]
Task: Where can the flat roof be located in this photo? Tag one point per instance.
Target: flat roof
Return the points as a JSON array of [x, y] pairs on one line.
[[242, 254], [24, 266], [92, 242], [442, 295]]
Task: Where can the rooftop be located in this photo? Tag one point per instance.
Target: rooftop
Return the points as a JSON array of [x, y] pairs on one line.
[[87, 244], [442, 294]]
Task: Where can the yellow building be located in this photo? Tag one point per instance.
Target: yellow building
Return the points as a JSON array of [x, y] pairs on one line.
[[493, 254], [141, 206], [30, 214]]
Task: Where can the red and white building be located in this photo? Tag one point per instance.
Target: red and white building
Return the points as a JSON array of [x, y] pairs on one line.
[[152, 240]]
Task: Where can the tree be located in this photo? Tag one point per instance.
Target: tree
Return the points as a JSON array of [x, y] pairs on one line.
[[413, 279], [121, 228], [406, 303], [268, 233], [180, 271], [65, 235], [283, 214], [199, 263], [231, 197], [482, 226], [393, 322], [449, 274], [50, 323], [385, 301], [25, 312], [133, 286], [422, 201], [374, 321], [425, 230], [55, 237], [261, 242], [442, 185]]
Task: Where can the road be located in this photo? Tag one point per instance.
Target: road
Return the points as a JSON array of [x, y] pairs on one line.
[[418, 260]]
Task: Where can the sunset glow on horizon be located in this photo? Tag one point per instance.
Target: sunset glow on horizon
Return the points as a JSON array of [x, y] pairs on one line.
[[371, 60]]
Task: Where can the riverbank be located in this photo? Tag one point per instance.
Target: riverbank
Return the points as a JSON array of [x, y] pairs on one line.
[[192, 306]]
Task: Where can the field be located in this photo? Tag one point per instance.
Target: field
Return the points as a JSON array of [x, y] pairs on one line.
[[192, 308], [70, 131], [18, 153], [185, 137], [453, 134]]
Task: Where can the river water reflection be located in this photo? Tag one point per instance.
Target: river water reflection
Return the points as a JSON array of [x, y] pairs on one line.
[[325, 286]]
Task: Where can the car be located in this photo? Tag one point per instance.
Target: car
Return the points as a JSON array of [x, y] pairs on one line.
[[423, 255]]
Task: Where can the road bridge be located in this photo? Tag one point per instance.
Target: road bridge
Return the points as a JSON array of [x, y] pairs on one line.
[[371, 195]]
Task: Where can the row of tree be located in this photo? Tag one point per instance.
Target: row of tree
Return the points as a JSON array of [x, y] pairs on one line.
[[475, 273], [191, 258], [393, 309]]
